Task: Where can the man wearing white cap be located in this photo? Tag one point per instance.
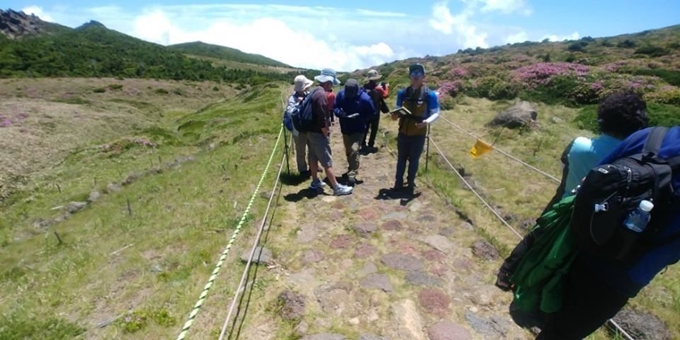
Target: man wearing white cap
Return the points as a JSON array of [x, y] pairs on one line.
[[300, 138]]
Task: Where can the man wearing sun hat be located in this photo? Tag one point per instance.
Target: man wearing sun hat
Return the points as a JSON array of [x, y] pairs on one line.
[[318, 137], [424, 107], [378, 93], [301, 84]]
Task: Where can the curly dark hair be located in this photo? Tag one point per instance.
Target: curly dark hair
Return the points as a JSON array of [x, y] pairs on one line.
[[622, 114]]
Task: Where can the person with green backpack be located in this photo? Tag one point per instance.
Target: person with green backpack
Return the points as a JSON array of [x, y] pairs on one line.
[[618, 116]]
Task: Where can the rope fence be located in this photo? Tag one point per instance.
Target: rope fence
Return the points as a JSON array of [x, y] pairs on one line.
[[204, 294]]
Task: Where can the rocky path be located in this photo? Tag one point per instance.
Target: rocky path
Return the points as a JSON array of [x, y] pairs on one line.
[[369, 267]]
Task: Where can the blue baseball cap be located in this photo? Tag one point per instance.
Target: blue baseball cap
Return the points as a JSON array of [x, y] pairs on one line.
[[416, 70]]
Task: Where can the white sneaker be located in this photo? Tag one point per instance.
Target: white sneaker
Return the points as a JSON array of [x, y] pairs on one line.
[[342, 190]]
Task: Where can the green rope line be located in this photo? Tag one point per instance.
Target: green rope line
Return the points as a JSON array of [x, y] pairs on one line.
[[213, 276]]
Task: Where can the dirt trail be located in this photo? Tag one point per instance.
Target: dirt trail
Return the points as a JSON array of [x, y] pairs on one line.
[[360, 267]]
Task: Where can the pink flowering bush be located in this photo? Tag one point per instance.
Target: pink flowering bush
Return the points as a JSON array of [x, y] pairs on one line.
[[450, 88], [458, 72], [538, 74]]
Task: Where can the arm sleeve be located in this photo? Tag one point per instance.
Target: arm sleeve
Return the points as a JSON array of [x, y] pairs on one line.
[[337, 104], [367, 107], [291, 104], [400, 98], [433, 108]]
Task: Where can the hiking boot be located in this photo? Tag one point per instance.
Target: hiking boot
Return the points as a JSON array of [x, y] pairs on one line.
[[372, 149], [351, 181], [341, 190], [317, 185]]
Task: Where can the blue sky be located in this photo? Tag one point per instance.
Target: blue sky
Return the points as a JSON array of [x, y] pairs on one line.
[[354, 34]]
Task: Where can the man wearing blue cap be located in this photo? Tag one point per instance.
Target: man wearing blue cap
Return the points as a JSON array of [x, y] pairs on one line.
[[424, 107]]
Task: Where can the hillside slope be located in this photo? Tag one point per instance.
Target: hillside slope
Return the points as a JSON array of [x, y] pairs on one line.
[[575, 73], [199, 48], [93, 50]]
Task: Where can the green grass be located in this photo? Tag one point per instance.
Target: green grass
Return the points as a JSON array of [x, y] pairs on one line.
[[153, 263]]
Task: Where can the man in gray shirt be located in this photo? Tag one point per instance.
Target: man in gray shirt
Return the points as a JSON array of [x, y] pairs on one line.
[[318, 137]]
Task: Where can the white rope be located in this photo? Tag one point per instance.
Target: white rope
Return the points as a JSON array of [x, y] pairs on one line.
[[507, 154], [241, 285], [474, 191]]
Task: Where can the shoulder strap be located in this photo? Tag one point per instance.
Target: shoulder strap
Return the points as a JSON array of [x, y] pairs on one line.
[[654, 140]]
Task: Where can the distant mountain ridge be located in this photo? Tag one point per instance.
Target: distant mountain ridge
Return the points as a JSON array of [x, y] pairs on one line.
[[31, 47], [15, 25], [199, 48]]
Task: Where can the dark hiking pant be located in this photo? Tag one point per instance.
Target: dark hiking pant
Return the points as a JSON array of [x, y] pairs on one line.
[[587, 303], [371, 131], [409, 148]]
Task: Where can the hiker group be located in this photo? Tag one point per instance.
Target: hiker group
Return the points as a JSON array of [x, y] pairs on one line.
[[611, 227], [310, 117]]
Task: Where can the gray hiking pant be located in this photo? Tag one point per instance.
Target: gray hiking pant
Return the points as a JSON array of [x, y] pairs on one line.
[[300, 142]]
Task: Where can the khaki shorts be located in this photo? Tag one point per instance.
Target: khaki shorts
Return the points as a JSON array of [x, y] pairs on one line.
[[319, 149]]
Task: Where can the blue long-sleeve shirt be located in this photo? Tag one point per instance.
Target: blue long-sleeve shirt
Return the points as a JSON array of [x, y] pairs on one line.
[[362, 104], [630, 280]]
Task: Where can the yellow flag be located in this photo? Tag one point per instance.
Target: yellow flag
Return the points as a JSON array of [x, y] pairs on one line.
[[480, 148]]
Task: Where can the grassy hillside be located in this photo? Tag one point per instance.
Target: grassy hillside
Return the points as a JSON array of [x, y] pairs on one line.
[[162, 171], [573, 73], [92, 50], [199, 48]]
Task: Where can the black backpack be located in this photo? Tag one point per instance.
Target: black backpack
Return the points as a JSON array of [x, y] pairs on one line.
[[610, 192], [378, 101], [302, 115]]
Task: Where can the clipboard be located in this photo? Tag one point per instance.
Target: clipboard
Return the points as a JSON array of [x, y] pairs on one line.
[[402, 111]]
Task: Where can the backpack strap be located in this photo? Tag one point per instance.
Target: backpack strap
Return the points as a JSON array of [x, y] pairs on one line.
[[654, 140]]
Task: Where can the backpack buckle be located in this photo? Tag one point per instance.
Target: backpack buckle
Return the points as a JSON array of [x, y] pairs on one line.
[[601, 207]]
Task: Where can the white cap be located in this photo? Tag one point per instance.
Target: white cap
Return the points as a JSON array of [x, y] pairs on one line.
[[302, 83], [646, 205]]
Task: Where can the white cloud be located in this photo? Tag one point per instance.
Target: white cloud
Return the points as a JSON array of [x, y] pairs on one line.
[[518, 37], [38, 11], [554, 37], [465, 33], [267, 36], [506, 6], [305, 36]]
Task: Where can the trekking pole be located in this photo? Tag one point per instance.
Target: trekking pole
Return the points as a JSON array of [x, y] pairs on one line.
[[285, 149], [427, 150]]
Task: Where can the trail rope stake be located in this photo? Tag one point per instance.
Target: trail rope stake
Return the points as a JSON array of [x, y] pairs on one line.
[[285, 138], [427, 150], [223, 257]]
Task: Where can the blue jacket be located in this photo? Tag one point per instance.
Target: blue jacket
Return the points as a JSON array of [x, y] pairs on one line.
[[630, 280], [361, 104]]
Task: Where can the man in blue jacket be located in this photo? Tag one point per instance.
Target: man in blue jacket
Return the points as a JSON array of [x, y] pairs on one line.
[[423, 104], [594, 291], [355, 109]]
